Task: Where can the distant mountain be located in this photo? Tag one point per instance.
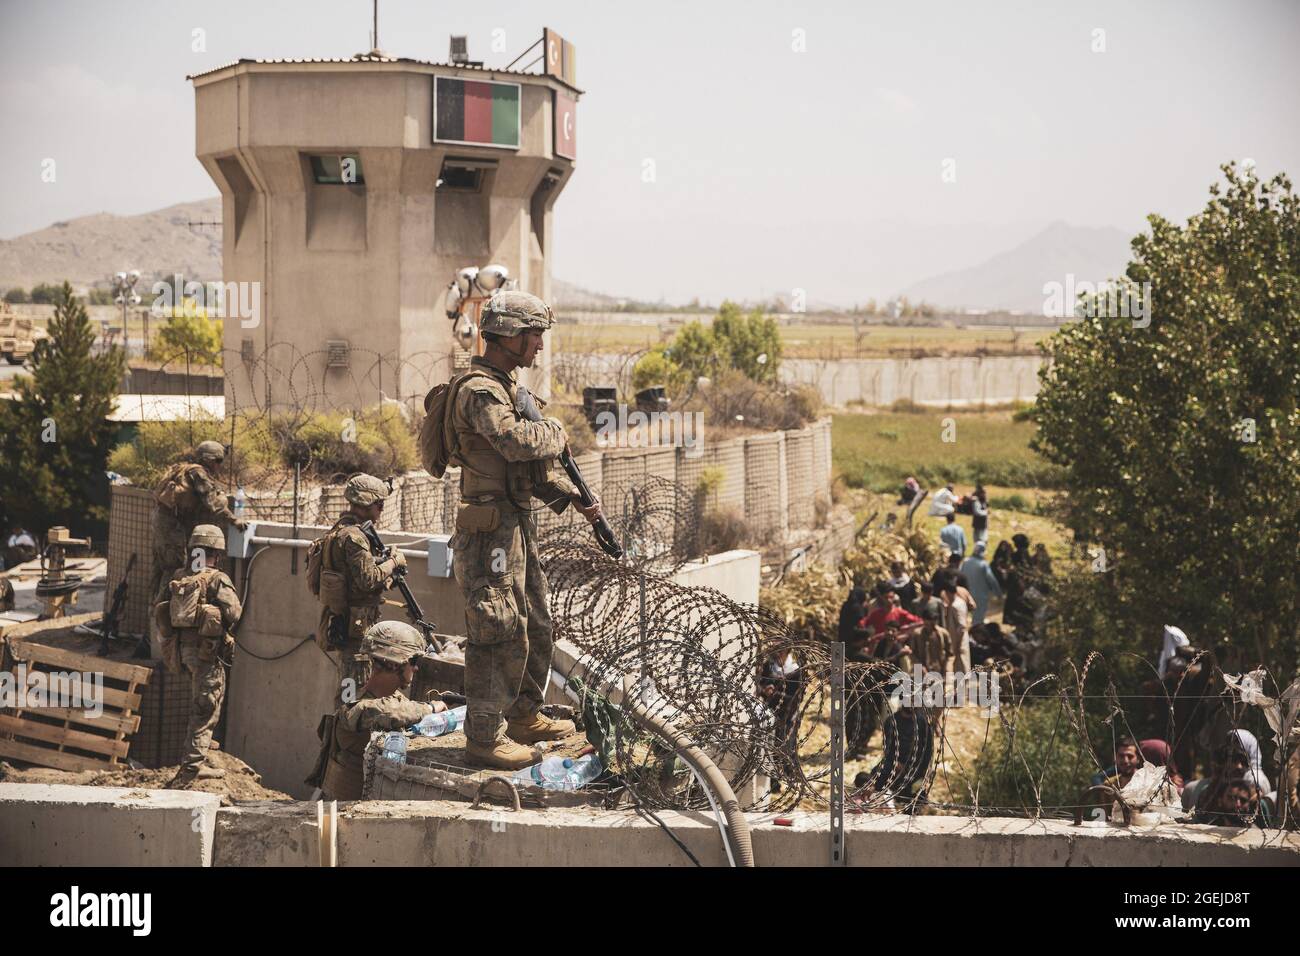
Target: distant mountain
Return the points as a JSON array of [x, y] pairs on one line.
[[1014, 280], [90, 249]]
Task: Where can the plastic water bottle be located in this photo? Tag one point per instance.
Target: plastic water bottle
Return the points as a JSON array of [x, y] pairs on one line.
[[435, 725], [241, 500], [395, 746], [584, 771], [560, 773], [550, 774]]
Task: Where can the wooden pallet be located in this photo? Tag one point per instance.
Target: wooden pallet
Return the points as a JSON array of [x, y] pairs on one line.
[[66, 738]]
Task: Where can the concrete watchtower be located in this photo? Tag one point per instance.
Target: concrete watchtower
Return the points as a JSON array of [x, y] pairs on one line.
[[352, 192]]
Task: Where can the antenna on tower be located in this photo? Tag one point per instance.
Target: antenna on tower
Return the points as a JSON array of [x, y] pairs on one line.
[[374, 31]]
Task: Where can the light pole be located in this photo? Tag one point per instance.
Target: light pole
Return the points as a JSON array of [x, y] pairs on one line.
[[124, 295]]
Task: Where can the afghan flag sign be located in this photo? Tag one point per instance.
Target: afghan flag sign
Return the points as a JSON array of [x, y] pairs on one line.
[[477, 112]]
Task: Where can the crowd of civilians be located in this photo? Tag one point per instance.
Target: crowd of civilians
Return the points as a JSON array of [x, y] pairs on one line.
[[1235, 791], [910, 624]]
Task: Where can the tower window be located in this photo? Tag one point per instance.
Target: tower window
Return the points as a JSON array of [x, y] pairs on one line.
[[464, 175], [337, 170]]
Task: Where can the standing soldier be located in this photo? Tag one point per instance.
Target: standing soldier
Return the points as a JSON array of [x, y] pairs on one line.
[[392, 647], [185, 498], [202, 610], [505, 461], [352, 581]]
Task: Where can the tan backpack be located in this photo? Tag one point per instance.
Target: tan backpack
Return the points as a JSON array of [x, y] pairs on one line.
[[172, 490], [437, 438], [188, 604], [186, 600], [327, 585]]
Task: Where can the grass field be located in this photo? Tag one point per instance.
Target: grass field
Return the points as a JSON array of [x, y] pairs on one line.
[[879, 451], [814, 340]]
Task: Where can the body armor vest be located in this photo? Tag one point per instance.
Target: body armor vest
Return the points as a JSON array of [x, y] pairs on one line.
[[484, 472]]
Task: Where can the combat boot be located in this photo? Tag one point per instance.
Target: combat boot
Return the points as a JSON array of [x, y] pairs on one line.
[[535, 727], [503, 754]]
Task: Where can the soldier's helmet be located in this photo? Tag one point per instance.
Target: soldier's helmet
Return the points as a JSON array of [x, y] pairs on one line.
[[210, 451], [509, 313], [207, 536], [365, 490], [393, 641]]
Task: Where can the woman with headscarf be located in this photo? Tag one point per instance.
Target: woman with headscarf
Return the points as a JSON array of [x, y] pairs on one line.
[[1159, 753], [1002, 561], [851, 612]]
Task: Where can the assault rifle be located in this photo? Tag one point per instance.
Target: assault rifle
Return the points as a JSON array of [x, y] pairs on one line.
[[113, 617], [604, 533], [382, 553]]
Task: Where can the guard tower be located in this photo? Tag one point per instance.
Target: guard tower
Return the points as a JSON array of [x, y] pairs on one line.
[[354, 190]]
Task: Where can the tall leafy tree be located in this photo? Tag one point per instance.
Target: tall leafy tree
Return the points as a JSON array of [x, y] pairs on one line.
[[751, 344], [55, 435], [1178, 431]]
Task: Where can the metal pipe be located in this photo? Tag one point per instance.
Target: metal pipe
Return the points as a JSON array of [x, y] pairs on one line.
[[700, 762], [304, 542]]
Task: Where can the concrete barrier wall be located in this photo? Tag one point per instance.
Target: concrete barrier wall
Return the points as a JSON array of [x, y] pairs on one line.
[[89, 826], [959, 380], [58, 825]]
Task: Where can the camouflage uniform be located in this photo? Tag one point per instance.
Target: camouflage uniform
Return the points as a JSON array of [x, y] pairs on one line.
[[353, 726], [199, 656], [350, 730], [347, 552], [505, 461], [199, 503]]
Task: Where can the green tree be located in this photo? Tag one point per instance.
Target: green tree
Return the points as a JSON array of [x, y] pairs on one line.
[[1178, 430], [46, 294], [55, 436], [750, 344], [188, 328], [17, 296]]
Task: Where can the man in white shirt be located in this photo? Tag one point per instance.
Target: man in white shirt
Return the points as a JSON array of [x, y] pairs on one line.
[[944, 502]]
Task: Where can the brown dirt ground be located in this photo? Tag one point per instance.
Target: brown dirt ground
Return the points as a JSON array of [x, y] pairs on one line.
[[240, 783]]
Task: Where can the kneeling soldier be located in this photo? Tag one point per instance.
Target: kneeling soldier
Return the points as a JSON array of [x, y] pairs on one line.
[[392, 647]]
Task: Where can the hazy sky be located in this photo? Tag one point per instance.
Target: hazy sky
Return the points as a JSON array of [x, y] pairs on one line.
[[774, 168]]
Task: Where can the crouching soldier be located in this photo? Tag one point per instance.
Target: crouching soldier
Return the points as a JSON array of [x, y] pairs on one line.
[[201, 611], [352, 582], [391, 647]]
